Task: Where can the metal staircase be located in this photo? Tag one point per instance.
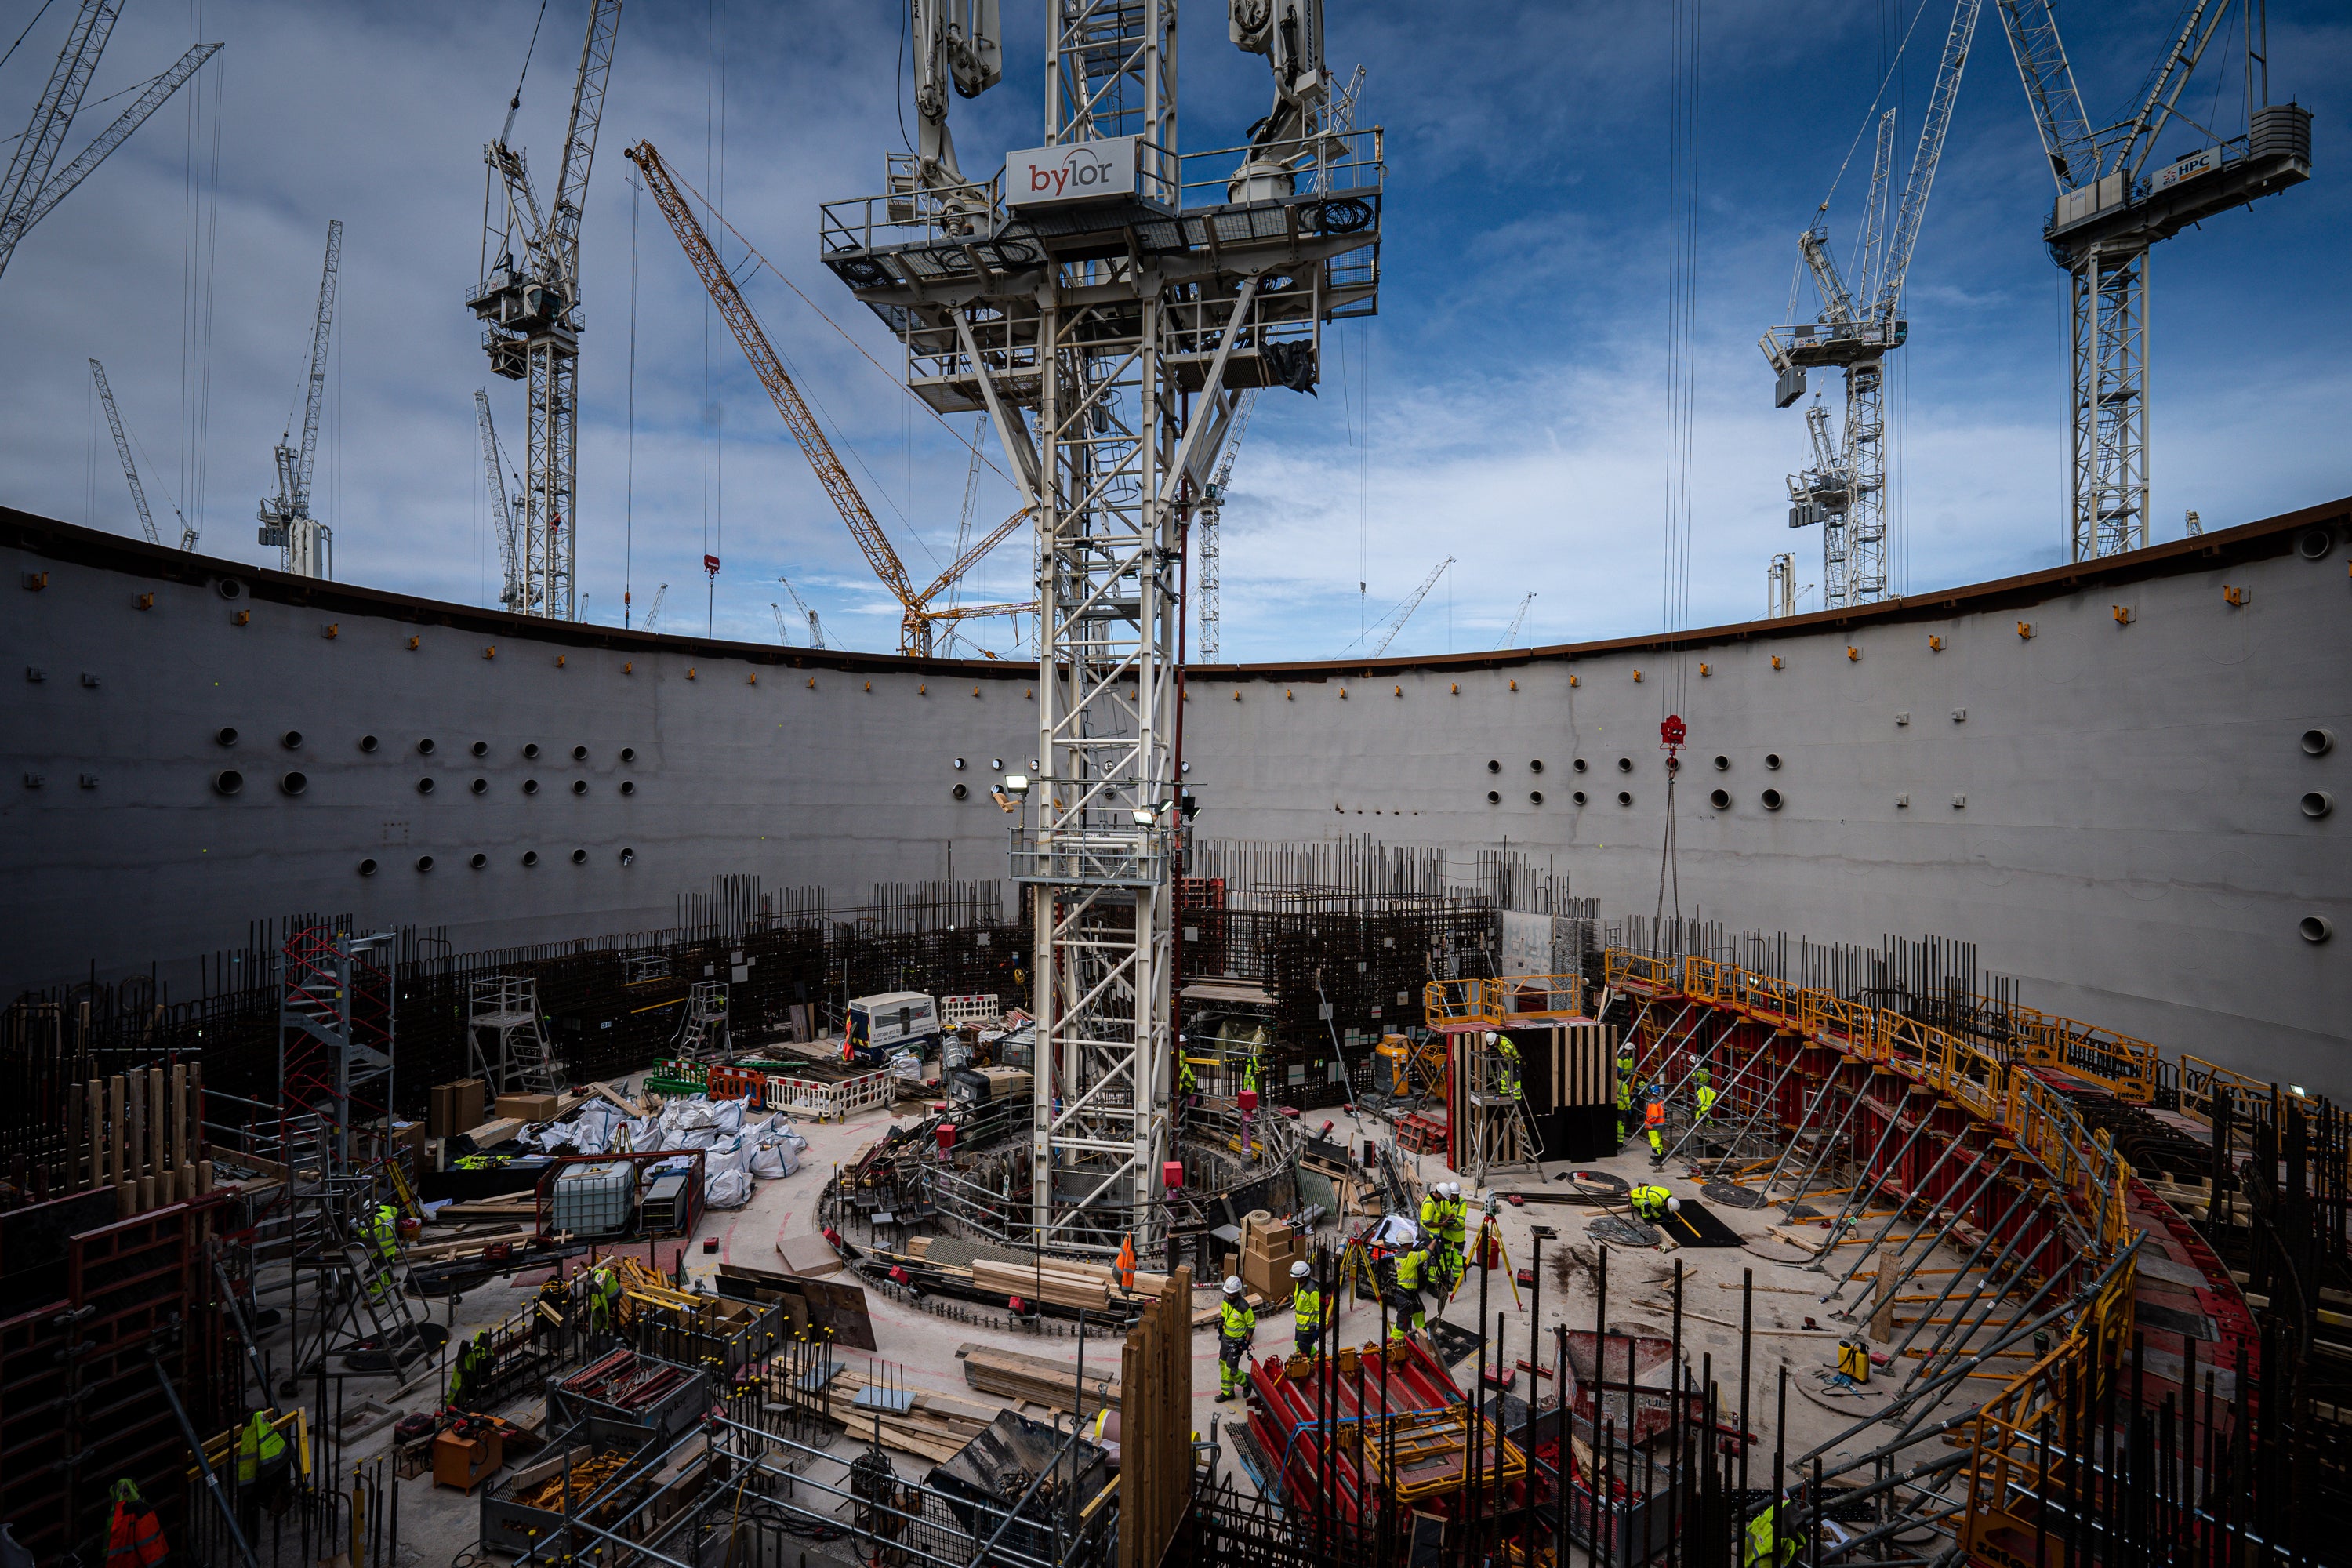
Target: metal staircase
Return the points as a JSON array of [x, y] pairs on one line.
[[703, 1033], [508, 1039]]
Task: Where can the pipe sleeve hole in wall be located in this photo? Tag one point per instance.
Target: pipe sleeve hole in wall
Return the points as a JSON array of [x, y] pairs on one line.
[[628, 786], [1493, 765], [579, 754], [628, 754], [367, 867], [425, 786], [580, 857], [1535, 797], [530, 751], [1770, 799], [424, 862], [2317, 928], [1624, 798], [291, 739], [2316, 743], [531, 857], [478, 861], [294, 784], [1723, 764], [224, 735], [369, 744], [1772, 760], [530, 786], [1720, 800], [1494, 797], [579, 786], [2318, 803], [629, 856], [228, 781], [1578, 797], [1625, 764], [1580, 765], [425, 747], [479, 787], [480, 748]]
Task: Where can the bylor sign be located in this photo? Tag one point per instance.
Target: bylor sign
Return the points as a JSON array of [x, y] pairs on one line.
[[1078, 172]]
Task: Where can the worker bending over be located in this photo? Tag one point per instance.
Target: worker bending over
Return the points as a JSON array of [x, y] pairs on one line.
[[1306, 1309], [1507, 1073], [1653, 1204], [1236, 1327], [1404, 1294]]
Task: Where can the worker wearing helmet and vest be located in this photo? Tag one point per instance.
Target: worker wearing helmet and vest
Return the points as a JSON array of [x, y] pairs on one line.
[[603, 1300], [1236, 1327], [134, 1536], [1404, 1297], [1706, 1102], [1653, 1203], [1306, 1309], [1624, 1099], [1446, 1247], [379, 1232], [1654, 1123], [1506, 1076]]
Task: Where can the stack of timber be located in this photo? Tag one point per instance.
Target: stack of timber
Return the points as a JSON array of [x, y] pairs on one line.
[[1002, 1277], [932, 1426], [1155, 1425], [1011, 1374]]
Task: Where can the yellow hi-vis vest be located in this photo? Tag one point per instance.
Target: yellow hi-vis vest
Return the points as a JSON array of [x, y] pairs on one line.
[[1235, 1319], [1306, 1308], [1649, 1201], [1408, 1270], [260, 1447]]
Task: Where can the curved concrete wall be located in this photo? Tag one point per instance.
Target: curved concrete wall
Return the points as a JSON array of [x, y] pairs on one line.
[[2117, 819]]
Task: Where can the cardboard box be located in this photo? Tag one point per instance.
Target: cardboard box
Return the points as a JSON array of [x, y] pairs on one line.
[[456, 1106], [528, 1107]]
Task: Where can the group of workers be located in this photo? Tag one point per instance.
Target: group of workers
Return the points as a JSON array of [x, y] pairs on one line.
[[1653, 1099], [1431, 1258]]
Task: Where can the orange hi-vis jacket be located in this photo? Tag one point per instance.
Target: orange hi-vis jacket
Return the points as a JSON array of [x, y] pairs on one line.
[[1657, 1115]]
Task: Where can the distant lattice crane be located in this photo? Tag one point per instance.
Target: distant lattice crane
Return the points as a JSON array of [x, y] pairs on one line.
[[1513, 635], [30, 191], [1209, 520], [2107, 216], [515, 593], [917, 617], [1395, 619], [653, 611], [131, 469], [306, 545], [816, 633]]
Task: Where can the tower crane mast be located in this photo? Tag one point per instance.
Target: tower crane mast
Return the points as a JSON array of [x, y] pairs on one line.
[[529, 301], [305, 544], [2108, 215]]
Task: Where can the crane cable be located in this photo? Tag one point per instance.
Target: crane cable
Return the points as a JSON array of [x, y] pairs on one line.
[[1682, 300]]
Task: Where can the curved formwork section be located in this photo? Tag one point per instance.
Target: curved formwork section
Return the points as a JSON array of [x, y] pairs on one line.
[[1987, 1243]]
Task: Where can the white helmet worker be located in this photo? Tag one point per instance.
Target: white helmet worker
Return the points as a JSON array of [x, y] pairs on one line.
[[1451, 1189], [1299, 1271], [1491, 1038], [1674, 1206], [1232, 1284]]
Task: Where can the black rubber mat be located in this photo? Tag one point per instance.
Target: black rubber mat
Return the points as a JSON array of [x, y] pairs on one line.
[[1696, 1225]]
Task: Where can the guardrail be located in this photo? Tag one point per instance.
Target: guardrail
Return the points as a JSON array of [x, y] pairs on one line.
[[1493, 1003], [2081, 1163]]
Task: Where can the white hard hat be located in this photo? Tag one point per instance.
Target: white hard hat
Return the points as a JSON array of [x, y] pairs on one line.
[[1492, 1037], [1451, 1189], [1674, 1206], [1232, 1284], [1299, 1271]]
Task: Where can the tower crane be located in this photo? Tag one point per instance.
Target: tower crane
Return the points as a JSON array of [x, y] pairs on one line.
[[529, 301], [306, 545], [816, 633], [515, 592], [2110, 210], [131, 469], [653, 611], [1860, 323], [917, 617], [1209, 518], [30, 191], [1513, 635]]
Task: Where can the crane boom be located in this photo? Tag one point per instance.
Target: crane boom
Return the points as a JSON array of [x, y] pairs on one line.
[[512, 595], [122, 446], [60, 186], [1926, 157], [653, 610], [914, 626], [315, 393], [580, 144], [1403, 612], [2057, 103], [1513, 635]]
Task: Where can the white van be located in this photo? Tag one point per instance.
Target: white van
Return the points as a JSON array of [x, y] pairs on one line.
[[891, 1021]]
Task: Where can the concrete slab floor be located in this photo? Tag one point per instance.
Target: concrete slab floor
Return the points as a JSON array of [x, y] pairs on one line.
[[439, 1525]]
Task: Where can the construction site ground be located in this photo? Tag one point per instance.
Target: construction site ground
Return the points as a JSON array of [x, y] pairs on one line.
[[439, 1524]]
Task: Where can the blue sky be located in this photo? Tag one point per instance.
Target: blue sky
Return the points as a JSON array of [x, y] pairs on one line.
[[1506, 408]]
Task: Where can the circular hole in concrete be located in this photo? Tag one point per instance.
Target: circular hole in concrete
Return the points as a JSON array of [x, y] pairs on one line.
[[228, 781], [1771, 799]]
